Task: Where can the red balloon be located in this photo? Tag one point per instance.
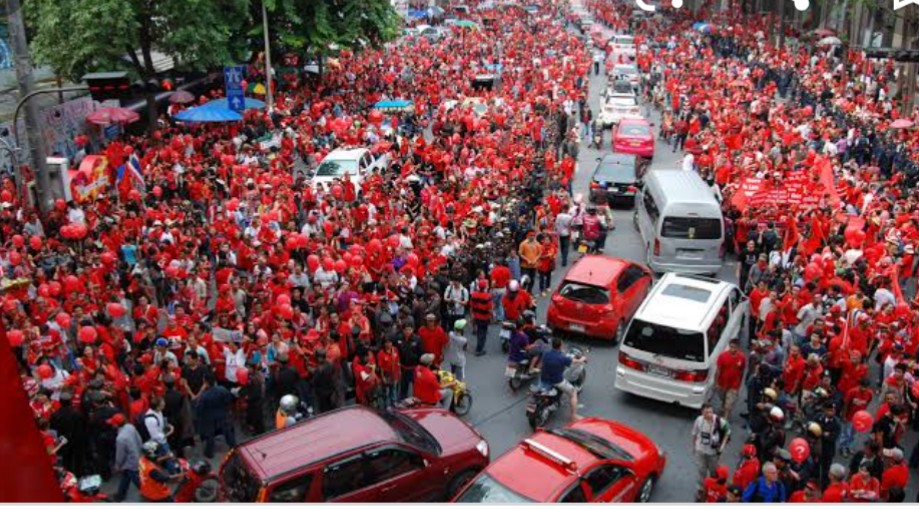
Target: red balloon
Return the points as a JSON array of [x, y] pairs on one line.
[[88, 334], [67, 231], [340, 266], [393, 241], [6, 196], [291, 243], [128, 150], [15, 258], [354, 249], [232, 205], [60, 204], [63, 320], [56, 288], [812, 272], [412, 260], [44, 290], [172, 271], [862, 421], [242, 376], [108, 258], [18, 240], [71, 283], [35, 242], [799, 449], [374, 246], [15, 337], [283, 299], [286, 311], [303, 240], [80, 230], [328, 264], [157, 191], [375, 117], [337, 191], [116, 310], [312, 262], [134, 195], [45, 371], [357, 261]]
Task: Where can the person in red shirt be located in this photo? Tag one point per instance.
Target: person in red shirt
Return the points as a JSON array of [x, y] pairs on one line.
[[433, 338], [515, 301], [749, 466], [838, 490], [388, 359], [809, 494], [729, 376], [864, 488], [896, 474], [715, 488], [855, 400], [793, 372], [426, 387]]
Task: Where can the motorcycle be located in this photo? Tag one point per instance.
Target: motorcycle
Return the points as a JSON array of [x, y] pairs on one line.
[[462, 398], [584, 246], [200, 484], [545, 401], [519, 372], [507, 330], [87, 489]]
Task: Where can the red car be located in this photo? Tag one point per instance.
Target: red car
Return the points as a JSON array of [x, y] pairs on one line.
[[357, 454], [634, 136], [598, 296], [590, 460]]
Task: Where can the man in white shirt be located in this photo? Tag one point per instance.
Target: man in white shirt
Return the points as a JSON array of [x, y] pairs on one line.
[[563, 230], [156, 422], [807, 315], [689, 162]]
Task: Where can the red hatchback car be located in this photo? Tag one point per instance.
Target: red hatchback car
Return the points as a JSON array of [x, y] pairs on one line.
[[357, 454], [590, 460], [598, 296], [634, 136]]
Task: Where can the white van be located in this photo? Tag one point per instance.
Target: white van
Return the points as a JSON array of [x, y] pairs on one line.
[[358, 163], [672, 343], [680, 223]]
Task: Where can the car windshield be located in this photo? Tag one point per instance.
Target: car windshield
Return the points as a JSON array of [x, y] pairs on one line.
[[622, 101], [625, 70], [410, 431], [665, 341], [486, 489], [593, 443], [615, 172], [625, 40], [337, 168], [691, 228], [633, 130], [584, 293], [238, 483]]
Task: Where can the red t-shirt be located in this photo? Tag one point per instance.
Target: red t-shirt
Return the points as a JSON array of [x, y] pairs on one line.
[[426, 387], [894, 476], [836, 492], [433, 341], [730, 370]]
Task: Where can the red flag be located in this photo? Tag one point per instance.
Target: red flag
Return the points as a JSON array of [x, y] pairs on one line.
[[791, 233]]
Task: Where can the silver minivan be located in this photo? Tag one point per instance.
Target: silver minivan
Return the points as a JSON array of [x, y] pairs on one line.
[[680, 223]]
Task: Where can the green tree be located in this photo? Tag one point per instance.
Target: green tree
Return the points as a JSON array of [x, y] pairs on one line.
[[75, 37]]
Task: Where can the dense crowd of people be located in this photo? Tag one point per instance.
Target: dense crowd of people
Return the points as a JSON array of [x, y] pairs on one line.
[[226, 294]]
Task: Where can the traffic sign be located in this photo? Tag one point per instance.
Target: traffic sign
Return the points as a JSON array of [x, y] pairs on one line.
[[233, 85]]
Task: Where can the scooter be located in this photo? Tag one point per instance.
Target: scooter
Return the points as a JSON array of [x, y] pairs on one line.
[[545, 401], [519, 372], [200, 484], [88, 489], [507, 330]]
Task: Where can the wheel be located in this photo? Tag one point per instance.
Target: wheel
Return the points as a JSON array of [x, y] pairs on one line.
[[458, 482], [620, 333], [515, 383], [644, 494], [635, 220], [463, 404], [505, 346], [207, 491], [539, 418]]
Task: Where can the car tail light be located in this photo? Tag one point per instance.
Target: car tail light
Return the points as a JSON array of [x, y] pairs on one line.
[[657, 247], [594, 184], [629, 362], [632, 189], [691, 375]]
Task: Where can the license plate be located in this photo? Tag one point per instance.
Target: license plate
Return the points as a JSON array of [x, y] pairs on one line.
[[577, 327], [661, 371], [582, 249], [635, 144], [509, 372]]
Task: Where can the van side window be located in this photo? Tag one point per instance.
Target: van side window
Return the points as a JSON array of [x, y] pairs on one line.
[[651, 206], [294, 490], [344, 477], [717, 327]]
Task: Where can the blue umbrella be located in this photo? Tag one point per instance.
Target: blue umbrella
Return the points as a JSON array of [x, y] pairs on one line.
[[702, 27], [417, 13], [495, 68], [207, 114], [224, 103], [395, 105]]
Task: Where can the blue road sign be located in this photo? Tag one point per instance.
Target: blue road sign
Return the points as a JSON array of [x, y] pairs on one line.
[[233, 85]]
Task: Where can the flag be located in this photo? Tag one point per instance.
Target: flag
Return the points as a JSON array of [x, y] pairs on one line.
[[130, 177]]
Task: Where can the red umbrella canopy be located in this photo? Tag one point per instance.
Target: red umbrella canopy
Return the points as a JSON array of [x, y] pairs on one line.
[[112, 115], [901, 124], [181, 97]]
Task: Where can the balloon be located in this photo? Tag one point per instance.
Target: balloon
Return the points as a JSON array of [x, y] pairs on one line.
[[291, 243], [862, 421], [812, 272], [35, 243], [67, 231], [354, 249], [232, 205], [128, 150], [303, 240], [80, 230], [10, 305], [15, 337], [340, 266], [902, 309], [312, 263], [337, 191], [172, 271], [45, 371], [18, 240], [283, 299], [134, 195], [157, 191], [88, 334], [357, 261], [799, 449], [374, 246], [63, 320], [6, 196], [71, 283], [346, 257], [286, 311], [412, 260], [375, 117], [15, 258], [328, 264], [60, 204], [108, 258], [56, 288], [44, 290], [116, 310], [242, 376], [393, 241]]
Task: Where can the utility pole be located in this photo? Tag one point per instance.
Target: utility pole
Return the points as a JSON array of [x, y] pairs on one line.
[[26, 82], [908, 97], [268, 94]]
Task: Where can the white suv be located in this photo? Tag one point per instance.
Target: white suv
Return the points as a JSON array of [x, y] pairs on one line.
[[618, 107], [356, 162]]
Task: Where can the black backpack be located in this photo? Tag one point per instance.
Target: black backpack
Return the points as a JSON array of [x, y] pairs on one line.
[[141, 425]]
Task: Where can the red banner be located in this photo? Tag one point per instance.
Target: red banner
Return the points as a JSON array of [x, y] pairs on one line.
[[797, 189]]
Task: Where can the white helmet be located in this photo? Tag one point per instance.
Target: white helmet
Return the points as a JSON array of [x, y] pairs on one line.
[[289, 403], [514, 286], [776, 413]]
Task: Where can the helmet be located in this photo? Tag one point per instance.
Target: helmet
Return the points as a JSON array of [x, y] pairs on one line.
[[513, 286], [749, 450], [525, 280], [529, 315], [201, 466], [150, 448], [815, 429], [776, 413], [770, 394], [162, 342], [820, 392], [459, 325], [289, 403]]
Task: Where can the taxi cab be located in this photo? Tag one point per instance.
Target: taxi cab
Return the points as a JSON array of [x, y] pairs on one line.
[[590, 460]]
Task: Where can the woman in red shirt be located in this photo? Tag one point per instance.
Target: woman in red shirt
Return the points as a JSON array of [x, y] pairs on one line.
[[864, 488]]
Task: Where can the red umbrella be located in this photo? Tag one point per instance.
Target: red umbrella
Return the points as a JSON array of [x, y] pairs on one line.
[[181, 96], [901, 124], [112, 115]]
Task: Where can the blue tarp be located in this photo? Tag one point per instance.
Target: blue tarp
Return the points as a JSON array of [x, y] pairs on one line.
[[417, 13], [395, 104], [701, 26], [207, 114], [224, 103]]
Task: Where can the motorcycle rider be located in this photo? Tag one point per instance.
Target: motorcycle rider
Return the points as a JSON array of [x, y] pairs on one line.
[[287, 414], [554, 364], [591, 228], [515, 301], [154, 477]]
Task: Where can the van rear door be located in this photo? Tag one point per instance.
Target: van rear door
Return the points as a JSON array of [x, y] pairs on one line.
[[665, 352], [691, 237]]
